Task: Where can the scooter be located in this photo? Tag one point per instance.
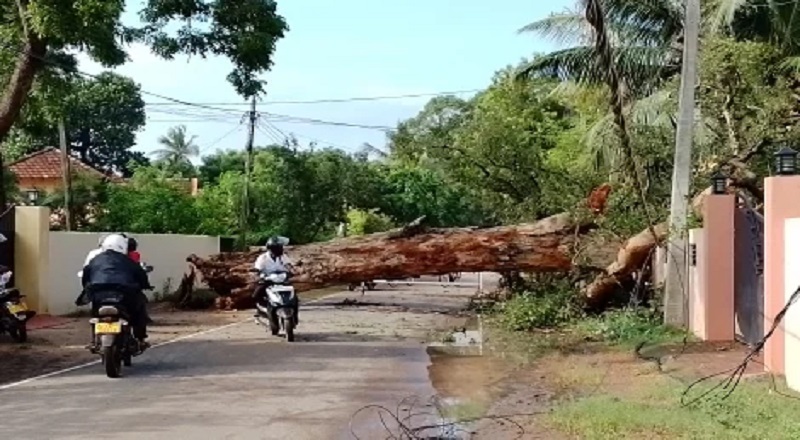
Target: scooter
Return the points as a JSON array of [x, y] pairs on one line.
[[14, 313], [276, 309]]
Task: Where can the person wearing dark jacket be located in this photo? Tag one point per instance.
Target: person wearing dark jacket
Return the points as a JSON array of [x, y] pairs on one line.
[[133, 253], [112, 271]]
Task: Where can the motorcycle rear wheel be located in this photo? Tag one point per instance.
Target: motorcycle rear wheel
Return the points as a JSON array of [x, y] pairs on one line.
[[112, 361], [19, 333]]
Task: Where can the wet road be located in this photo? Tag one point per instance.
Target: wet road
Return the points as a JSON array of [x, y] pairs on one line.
[[240, 383]]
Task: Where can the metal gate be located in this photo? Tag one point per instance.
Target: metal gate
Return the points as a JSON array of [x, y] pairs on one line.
[[7, 228], [749, 276]]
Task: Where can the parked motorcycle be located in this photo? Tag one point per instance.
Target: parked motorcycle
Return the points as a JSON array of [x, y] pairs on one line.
[[276, 309], [366, 285], [14, 313], [112, 335]]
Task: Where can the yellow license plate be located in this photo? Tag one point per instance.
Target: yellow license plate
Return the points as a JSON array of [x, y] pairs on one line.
[[17, 308], [107, 327]]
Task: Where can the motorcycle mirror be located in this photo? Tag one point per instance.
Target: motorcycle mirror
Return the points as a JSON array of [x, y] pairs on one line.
[[148, 269]]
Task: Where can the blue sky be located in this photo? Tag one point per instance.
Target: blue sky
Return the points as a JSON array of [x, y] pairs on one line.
[[339, 50]]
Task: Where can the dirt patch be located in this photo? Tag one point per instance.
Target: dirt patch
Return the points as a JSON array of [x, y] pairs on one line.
[[61, 344], [557, 387]]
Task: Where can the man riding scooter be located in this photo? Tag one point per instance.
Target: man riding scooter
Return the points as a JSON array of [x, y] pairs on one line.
[[273, 260]]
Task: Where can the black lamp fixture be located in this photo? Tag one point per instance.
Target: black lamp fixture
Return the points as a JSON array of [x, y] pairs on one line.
[[786, 162], [33, 196], [718, 183]]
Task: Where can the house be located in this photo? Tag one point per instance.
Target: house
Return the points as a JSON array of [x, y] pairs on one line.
[[41, 172]]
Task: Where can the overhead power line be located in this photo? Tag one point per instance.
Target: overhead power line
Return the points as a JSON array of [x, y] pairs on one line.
[[221, 112], [331, 100]]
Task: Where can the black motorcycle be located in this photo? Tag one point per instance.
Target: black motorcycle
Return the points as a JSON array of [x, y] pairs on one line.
[[14, 313], [112, 334]]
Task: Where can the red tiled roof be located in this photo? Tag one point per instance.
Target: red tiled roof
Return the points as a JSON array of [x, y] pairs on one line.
[[46, 164]]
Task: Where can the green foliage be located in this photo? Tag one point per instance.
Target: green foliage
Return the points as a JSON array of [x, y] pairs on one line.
[[89, 194], [243, 31], [360, 222], [412, 192], [631, 326], [176, 152], [547, 305], [652, 407], [215, 165], [101, 115], [149, 204]]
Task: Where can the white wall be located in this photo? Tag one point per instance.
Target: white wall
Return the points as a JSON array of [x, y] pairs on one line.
[[165, 252], [791, 322]]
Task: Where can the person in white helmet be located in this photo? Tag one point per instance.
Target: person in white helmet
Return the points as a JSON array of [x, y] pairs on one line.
[[112, 271]]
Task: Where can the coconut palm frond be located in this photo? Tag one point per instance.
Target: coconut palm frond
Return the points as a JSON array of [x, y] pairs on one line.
[[790, 65], [723, 13], [563, 28]]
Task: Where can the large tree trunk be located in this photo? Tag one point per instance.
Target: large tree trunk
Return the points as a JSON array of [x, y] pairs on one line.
[[632, 257], [29, 62], [544, 246]]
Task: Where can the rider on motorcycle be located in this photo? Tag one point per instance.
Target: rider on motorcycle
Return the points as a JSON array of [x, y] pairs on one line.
[[273, 260], [134, 254], [113, 271]]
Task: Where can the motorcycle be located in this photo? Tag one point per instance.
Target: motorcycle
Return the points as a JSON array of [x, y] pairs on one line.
[[276, 309], [364, 286], [112, 335], [14, 313]]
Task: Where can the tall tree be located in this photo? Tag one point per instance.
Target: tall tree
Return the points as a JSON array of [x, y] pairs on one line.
[[644, 36], [35, 34], [178, 148], [102, 116]]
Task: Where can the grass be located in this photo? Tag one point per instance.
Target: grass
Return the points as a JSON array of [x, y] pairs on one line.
[[654, 411]]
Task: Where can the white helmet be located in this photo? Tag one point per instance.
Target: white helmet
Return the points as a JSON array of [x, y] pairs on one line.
[[115, 242]]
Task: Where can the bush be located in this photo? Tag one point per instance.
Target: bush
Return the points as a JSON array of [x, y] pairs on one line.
[[631, 326], [549, 304]]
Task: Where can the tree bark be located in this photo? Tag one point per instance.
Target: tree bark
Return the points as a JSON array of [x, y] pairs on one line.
[[544, 246], [632, 256], [15, 93]]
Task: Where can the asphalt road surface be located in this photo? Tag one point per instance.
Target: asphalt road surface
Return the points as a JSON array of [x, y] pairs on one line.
[[237, 382]]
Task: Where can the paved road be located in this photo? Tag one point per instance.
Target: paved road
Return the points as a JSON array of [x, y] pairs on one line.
[[240, 383]]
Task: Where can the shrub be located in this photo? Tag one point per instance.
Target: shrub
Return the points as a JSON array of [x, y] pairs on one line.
[[631, 326], [549, 304]]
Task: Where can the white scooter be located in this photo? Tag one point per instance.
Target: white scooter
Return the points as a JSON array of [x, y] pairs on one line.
[[277, 309]]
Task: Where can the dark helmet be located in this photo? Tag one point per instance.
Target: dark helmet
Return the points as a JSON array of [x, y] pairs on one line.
[[275, 245], [132, 244]]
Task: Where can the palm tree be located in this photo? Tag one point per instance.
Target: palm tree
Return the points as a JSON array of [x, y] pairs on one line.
[[773, 21], [644, 38], [178, 147]]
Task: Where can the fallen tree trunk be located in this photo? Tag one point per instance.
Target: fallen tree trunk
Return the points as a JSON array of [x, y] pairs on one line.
[[632, 257], [544, 246]]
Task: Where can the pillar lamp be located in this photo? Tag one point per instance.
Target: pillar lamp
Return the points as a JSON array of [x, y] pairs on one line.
[[718, 183], [786, 162]]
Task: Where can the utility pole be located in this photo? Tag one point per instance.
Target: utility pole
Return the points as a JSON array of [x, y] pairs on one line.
[[66, 170], [676, 288], [253, 116]]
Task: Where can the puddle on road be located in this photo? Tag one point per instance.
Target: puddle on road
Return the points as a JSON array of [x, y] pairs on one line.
[[466, 381]]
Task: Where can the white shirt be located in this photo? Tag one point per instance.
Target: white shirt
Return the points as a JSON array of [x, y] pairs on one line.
[[265, 263], [89, 257]]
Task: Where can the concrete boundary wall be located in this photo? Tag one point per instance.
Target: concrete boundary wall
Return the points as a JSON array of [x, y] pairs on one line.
[[47, 261]]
